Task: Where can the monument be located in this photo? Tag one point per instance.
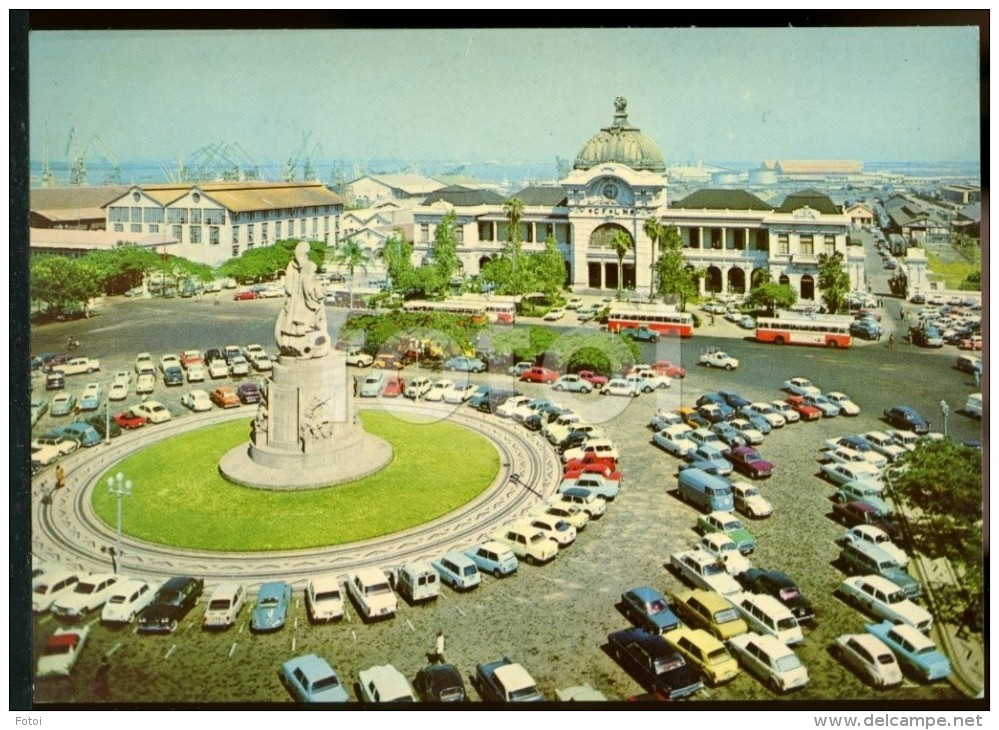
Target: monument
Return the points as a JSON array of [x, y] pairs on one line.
[[306, 433]]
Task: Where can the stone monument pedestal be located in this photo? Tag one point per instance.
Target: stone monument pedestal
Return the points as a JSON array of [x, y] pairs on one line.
[[306, 434]]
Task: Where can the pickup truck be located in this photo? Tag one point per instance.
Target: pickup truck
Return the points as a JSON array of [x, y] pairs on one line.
[[719, 359], [641, 334], [505, 681]]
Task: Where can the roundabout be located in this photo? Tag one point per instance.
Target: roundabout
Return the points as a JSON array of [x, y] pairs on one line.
[[72, 532]]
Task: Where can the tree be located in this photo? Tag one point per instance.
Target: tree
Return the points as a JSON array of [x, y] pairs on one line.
[[63, 284], [771, 297], [122, 267], [621, 243], [353, 256], [655, 231], [514, 208], [834, 282], [548, 269], [397, 255], [444, 249], [939, 485], [672, 275]]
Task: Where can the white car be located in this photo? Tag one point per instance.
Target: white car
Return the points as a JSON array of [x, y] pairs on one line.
[[196, 400], [61, 652], [438, 390], [555, 529], [597, 446], [152, 411], [169, 361], [878, 537], [746, 431], [749, 501], [224, 605], [119, 385], [358, 358], [887, 600], [195, 373], [144, 363], [801, 386], [675, 440], [417, 387], [719, 359], [862, 471], [725, 551], [771, 660], [906, 439], [51, 586], [846, 406], [591, 503], [842, 455], [622, 386], [884, 444], [372, 385], [870, 657], [460, 392], [90, 592], [77, 366], [385, 683], [786, 410], [218, 368], [652, 380], [45, 455], [553, 315], [528, 543], [372, 593], [571, 513], [703, 569], [323, 598], [858, 445], [61, 445], [770, 413], [127, 600], [507, 407], [145, 383], [238, 366]]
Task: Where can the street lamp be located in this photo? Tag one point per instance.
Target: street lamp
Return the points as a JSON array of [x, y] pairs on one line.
[[945, 409], [119, 487]]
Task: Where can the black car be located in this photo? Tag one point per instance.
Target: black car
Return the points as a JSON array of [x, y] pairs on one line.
[[719, 400], [214, 354], [572, 440], [780, 586], [440, 683], [494, 399], [866, 330], [55, 380], [734, 399], [248, 393], [907, 419], [173, 375], [655, 664], [172, 602]]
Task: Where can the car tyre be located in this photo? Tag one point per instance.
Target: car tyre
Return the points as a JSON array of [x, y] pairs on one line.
[[497, 573], [585, 390], [775, 686], [728, 366]]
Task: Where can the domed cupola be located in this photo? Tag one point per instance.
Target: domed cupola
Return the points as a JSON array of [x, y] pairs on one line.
[[621, 143]]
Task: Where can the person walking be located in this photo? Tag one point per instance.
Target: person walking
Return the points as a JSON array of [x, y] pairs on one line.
[[891, 342], [102, 684], [60, 476], [439, 653]]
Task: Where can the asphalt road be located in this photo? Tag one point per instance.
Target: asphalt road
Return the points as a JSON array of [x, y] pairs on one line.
[[553, 619]]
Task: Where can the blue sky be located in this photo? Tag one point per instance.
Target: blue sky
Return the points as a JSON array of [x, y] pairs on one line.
[[513, 95]]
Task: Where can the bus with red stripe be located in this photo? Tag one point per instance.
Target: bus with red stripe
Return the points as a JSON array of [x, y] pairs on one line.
[[790, 328], [664, 319]]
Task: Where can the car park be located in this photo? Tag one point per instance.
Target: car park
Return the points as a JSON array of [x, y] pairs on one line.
[[494, 557], [705, 652], [50, 587], [323, 598], [310, 678], [505, 681], [371, 592], [224, 605], [528, 543], [703, 570], [173, 601], [882, 598], [872, 535], [385, 683], [62, 651], [573, 384], [196, 400], [127, 601], [772, 661], [907, 418], [649, 610], [440, 682], [871, 658], [654, 663], [711, 611]]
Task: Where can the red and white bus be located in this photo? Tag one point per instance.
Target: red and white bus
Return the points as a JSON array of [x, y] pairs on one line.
[[473, 310], [824, 330], [500, 309], [665, 320]]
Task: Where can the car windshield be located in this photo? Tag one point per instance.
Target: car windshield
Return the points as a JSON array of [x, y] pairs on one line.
[[788, 663], [268, 602], [325, 683], [57, 648], [731, 525], [718, 656], [219, 604], [787, 594], [523, 693], [328, 596], [729, 614], [116, 599], [537, 537], [468, 570], [378, 588], [885, 659], [85, 588], [712, 568], [785, 624]]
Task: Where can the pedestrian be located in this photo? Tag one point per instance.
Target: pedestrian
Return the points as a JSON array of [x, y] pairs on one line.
[[60, 476], [439, 653], [102, 683], [978, 378], [891, 342]]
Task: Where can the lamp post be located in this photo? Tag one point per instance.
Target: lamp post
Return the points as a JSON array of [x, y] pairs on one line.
[[119, 487], [945, 410], [107, 421]]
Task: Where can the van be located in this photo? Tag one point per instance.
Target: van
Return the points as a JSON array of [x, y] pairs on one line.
[[864, 558], [224, 606], [707, 492], [417, 582], [973, 406], [766, 615]]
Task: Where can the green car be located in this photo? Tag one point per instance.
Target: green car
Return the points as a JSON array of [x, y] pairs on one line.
[[728, 523]]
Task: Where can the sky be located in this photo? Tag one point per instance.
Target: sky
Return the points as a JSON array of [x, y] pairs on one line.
[[860, 93]]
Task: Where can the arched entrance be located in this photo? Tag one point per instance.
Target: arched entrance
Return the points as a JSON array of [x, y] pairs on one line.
[[604, 274], [713, 280], [737, 281], [784, 280], [483, 261], [758, 277], [807, 287]]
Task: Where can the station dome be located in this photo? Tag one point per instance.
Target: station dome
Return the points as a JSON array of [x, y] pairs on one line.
[[621, 143]]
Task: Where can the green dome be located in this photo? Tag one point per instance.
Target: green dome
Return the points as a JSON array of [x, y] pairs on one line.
[[621, 143]]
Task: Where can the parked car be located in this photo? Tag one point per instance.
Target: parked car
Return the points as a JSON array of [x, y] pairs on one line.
[[90, 398], [773, 415], [370, 589], [852, 514], [871, 535], [225, 396], [89, 593], [719, 359], [649, 610], [703, 570], [801, 386], [128, 420], [197, 400], [83, 433], [840, 472], [654, 663], [459, 392], [144, 383], [593, 504], [705, 652], [323, 599], [78, 366], [914, 651], [59, 444], [440, 682], [494, 557], [771, 660], [173, 375], [749, 434], [724, 549], [871, 658], [863, 492], [594, 379], [385, 683], [310, 678], [711, 611], [879, 596], [906, 418], [621, 386], [675, 440], [749, 501], [173, 601], [271, 609], [708, 459], [782, 587], [238, 366], [62, 404], [666, 367], [127, 600], [846, 406], [790, 413], [55, 380], [747, 461], [731, 525], [573, 384], [884, 444], [594, 483], [50, 587], [528, 543], [505, 681], [62, 651], [248, 393], [465, 364]]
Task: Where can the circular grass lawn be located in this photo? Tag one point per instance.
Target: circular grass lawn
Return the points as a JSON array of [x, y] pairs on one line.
[[180, 499]]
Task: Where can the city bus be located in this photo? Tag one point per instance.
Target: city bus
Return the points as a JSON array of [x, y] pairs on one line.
[[825, 330], [665, 320], [499, 309], [475, 311]]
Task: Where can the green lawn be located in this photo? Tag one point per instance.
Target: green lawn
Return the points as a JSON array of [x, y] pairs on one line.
[[179, 498], [952, 272]]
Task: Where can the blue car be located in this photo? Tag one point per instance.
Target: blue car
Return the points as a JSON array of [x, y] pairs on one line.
[[271, 610], [310, 678], [83, 432], [465, 364], [458, 571], [495, 558], [90, 399], [914, 650], [648, 609], [710, 460], [63, 404]]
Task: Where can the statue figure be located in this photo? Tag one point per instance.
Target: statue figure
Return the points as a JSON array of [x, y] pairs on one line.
[[301, 326], [620, 104]]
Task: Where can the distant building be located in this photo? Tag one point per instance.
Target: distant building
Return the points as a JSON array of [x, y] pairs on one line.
[[860, 215], [402, 187], [817, 169], [969, 220], [78, 208], [961, 194], [913, 222]]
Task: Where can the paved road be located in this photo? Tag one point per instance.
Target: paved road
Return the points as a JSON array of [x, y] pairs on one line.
[[553, 619]]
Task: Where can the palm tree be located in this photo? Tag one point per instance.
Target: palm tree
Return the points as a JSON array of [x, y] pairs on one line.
[[655, 231], [352, 255], [514, 208], [621, 243]]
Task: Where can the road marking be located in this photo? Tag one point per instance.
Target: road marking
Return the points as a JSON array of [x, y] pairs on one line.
[[169, 651], [113, 649], [294, 640], [240, 628], [353, 634], [232, 649], [461, 612], [410, 625]]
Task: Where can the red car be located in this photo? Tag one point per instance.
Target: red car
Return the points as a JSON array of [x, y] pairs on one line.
[[246, 294], [127, 420], [591, 458], [191, 357], [971, 343], [597, 381], [807, 412], [225, 397], [665, 367], [747, 460], [539, 374], [394, 386], [603, 470]]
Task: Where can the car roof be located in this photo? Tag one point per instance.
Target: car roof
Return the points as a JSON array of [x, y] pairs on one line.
[[225, 589], [514, 675], [311, 665], [274, 588], [645, 593], [324, 582]]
